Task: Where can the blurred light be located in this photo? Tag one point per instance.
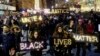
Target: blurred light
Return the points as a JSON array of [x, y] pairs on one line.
[[46, 11], [34, 12], [0, 1], [23, 12], [25, 20], [35, 18], [99, 27], [85, 38], [56, 5], [7, 1], [84, 0], [64, 42], [66, 0], [35, 45], [29, 10], [72, 8], [40, 18], [1, 12], [38, 10], [64, 6], [52, 6], [37, 5]]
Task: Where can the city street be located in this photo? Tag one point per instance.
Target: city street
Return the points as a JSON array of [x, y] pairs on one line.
[[49, 27]]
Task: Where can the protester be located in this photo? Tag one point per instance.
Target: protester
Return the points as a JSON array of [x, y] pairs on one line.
[[25, 31], [7, 40], [51, 26], [70, 27], [12, 52], [17, 32], [80, 30], [59, 33], [90, 27], [36, 37]]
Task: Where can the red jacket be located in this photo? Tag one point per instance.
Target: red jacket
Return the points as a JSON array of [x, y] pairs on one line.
[[89, 28]]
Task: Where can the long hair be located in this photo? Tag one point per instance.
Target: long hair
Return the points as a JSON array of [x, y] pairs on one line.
[[56, 30], [32, 34], [15, 27]]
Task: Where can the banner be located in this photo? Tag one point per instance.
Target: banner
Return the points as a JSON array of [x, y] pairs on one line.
[[37, 45], [85, 38], [55, 10], [7, 7], [61, 42]]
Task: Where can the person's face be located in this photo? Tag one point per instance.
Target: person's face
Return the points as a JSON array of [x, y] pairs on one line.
[[89, 21], [80, 22], [71, 22], [5, 29], [59, 29], [16, 30], [26, 25], [35, 34], [12, 52], [12, 21]]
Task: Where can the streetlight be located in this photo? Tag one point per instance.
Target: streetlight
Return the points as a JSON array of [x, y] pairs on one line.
[[66, 0], [56, 5], [52, 7]]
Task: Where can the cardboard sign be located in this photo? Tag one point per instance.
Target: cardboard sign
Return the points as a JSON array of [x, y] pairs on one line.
[[54, 11], [85, 38], [31, 45], [62, 42]]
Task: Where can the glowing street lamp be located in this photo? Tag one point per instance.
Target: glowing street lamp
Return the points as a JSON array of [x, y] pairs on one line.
[[66, 0], [56, 5], [52, 7]]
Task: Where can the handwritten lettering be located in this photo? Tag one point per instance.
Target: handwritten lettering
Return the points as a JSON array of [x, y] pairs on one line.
[[62, 42], [85, 38], [35, 45]]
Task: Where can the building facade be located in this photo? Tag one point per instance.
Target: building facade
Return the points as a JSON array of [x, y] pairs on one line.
[[28, 4], [5, 5], [87, 5]]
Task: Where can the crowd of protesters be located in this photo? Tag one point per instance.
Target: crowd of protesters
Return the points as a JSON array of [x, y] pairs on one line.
[[13, 31]]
